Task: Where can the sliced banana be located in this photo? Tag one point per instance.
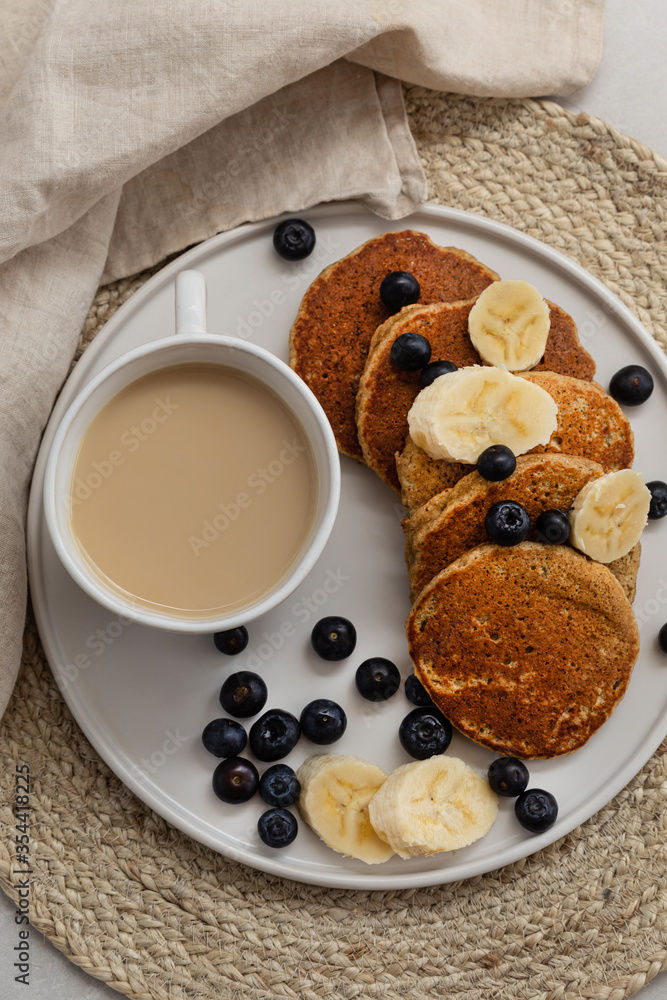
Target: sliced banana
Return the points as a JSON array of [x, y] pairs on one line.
[[335, 792], [433, 805], [509, 325], [609, 514], [462, 413]]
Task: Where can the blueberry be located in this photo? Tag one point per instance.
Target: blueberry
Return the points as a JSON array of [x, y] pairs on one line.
[[398, 289], [233, 641], [224, 738], [416, 692], [434, 370], [243, 694], [279, 786], [536, 810], [377, 679], [274, 735], [496, 462], [658, 506], [410, 352], [333, 638], [235, 780], [425, 732], [277, 827], [294, 239], [323, 721], [507, 522], [662, 638], [508, 776], [552, 527], [631, 385]]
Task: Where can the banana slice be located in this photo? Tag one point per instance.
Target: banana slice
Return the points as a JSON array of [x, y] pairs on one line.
[[609, 515], [335, 792], [509, 325], [433, 805], [462, 413]]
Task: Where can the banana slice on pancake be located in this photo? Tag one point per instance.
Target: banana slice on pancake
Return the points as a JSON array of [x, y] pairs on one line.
[[609, 514], [433, 805], [462, 413], [509, 325]]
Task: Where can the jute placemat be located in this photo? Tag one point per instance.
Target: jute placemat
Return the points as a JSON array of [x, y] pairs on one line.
[[155, 915]]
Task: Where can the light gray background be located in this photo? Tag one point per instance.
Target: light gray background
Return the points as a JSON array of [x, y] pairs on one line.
[[630, 92]]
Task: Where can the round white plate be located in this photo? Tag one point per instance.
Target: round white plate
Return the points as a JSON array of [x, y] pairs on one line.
[[143, 697]]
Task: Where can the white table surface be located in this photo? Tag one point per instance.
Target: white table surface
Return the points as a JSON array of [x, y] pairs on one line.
[[629, 91]]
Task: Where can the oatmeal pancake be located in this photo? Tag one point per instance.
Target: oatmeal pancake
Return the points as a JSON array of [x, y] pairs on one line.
[[501, 640], [590, 424], [342, 309], [452, 522], [386, 393]]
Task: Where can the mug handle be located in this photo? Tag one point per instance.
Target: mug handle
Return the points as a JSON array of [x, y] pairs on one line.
[[190, 303]]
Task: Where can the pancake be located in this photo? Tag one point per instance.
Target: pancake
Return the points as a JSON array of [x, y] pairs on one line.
[[452, 522], [527, 650], [342, 309], [386, 393], [590, 424]]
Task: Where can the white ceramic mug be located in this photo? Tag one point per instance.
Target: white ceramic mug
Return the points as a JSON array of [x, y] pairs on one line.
[[191, 343]]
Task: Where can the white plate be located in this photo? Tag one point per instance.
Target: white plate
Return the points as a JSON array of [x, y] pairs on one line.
[[143, 697]]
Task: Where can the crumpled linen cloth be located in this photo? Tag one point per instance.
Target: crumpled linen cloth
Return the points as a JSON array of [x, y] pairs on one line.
[[131, 130]]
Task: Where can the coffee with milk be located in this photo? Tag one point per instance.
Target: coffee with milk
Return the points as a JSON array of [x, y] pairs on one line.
[[193, 490]]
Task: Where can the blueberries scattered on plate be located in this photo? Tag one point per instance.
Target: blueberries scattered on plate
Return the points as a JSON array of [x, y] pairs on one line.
[[277, 827], [243, 694], [658, 505], [294, 239], [279, 786], [536, 810], [323, 721], [552, 527], [377, 679], [224, 738], [434, 370], [410, 352], [496, 462], [425, 732], [233, 641], [662, 638], [507, 522], [508, 776], [398, 289], [274, 735], [334, 638], [416, 692], [631, 385], [235, 780]]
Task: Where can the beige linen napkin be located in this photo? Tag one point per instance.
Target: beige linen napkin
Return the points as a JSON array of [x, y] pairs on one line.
[[130, 130]]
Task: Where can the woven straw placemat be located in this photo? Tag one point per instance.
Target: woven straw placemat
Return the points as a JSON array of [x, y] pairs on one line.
[[155, 915]]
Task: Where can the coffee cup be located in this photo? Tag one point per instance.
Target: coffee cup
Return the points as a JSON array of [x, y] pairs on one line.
[[226, 368]]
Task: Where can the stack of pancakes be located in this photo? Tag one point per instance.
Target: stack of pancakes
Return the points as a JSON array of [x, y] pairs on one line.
[[526, 649]]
